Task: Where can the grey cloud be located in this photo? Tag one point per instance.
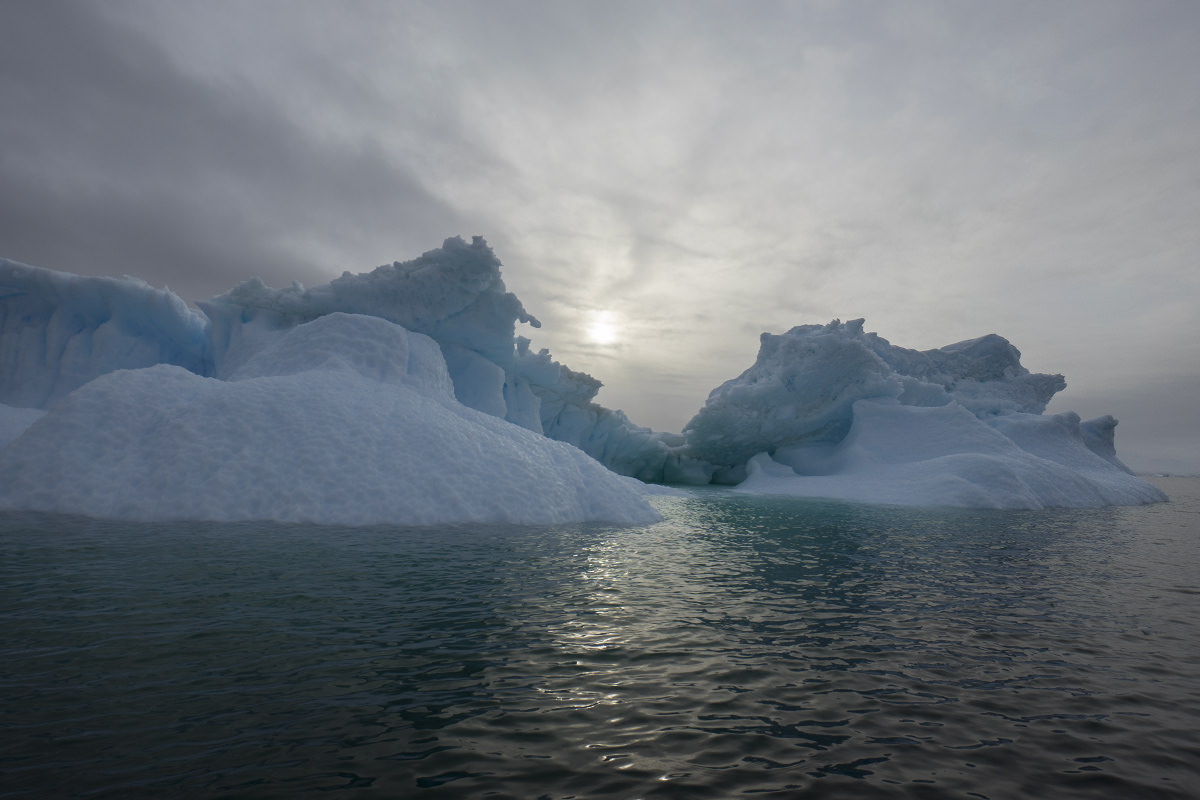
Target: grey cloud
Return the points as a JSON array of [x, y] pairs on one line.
[[116, 161]]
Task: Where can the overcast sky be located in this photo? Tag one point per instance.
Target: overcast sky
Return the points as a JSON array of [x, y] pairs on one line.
[[663, 181]]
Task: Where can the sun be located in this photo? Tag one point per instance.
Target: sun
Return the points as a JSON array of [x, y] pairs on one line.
[[602, 328]]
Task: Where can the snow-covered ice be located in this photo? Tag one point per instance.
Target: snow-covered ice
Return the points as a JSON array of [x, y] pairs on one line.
[[405, 395]]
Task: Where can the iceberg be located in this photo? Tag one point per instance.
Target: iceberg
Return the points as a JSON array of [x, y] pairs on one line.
[[804, 384], [404, 395], [832, 411], [294, 405]]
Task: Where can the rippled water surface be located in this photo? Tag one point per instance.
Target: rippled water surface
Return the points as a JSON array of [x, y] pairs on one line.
[[744, 646]]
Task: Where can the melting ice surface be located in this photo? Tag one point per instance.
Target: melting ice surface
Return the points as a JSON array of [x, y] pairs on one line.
[[404, 395]]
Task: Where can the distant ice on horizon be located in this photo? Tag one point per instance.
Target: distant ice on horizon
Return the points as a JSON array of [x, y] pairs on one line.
[[404, 395]]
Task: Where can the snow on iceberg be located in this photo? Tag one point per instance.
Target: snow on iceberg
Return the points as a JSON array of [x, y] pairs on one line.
[[831, 411]]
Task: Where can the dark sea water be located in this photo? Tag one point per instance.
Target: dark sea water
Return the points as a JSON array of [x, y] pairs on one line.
[[749, 647]]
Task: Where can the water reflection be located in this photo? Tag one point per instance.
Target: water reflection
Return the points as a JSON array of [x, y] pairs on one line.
[[744, 644]]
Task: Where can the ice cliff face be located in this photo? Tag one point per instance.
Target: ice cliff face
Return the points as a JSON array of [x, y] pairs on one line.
[[59, 331], [449, 415]]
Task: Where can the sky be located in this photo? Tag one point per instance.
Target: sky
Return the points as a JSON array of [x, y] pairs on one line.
[[663, 181]]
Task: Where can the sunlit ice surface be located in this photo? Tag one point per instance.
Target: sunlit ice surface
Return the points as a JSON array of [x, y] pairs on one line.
[[746, 644]]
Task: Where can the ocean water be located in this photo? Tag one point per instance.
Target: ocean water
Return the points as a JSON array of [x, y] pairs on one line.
[[746, 646]]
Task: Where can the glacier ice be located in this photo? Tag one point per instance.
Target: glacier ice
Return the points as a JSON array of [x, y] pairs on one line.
[[405, 395]]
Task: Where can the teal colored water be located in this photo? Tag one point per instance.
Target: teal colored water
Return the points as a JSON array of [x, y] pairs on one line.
[[744, 646]]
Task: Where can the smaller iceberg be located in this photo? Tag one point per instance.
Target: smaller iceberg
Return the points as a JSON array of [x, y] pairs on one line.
[[831, 411]]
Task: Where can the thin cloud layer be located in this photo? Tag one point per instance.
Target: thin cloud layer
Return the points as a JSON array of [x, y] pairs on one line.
[[701, 172]]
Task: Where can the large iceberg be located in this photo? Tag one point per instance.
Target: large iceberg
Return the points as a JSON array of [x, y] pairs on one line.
[[121, 402], [405, 395]]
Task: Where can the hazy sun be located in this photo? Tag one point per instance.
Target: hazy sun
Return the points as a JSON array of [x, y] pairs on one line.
[[603, 328]]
